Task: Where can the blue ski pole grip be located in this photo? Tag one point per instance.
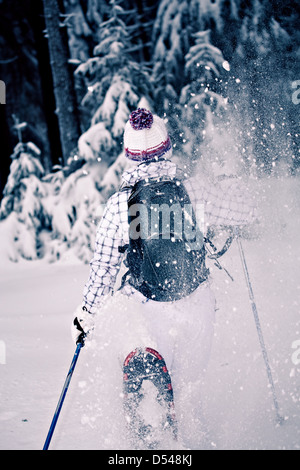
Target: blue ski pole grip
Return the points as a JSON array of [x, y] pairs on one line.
[[62, 396]]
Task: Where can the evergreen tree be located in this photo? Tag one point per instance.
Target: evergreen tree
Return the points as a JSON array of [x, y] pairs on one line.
[[25, 168], [171, 43], [73, 208], [175, 24], [22, 201], [140, 21], [114, 82], [80, 33], [203, 103]]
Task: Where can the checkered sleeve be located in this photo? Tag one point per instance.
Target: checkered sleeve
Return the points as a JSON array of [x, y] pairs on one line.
[[230, 205], [106, 262]]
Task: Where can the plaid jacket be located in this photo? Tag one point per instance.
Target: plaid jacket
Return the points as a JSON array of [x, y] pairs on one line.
[[229, 207]]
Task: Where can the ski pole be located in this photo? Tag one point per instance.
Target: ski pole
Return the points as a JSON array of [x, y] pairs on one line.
[[279, 418], [62, 396]]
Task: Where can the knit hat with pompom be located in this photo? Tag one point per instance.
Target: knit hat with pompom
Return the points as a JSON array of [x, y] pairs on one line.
[[146, 137]]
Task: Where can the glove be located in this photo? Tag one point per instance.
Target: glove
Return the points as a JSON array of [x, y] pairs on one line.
[[82, 325]]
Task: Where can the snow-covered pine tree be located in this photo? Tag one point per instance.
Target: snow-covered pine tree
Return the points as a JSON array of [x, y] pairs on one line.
[[80, 33], [140, 23], [175, 23], [201, 99], [25, 163], [73, 209], [207, 136], [171, 42], [114, 82], [21, 210], [50, 216], [187, 70]]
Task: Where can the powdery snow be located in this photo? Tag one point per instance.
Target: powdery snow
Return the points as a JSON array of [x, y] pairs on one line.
[[37, 305]]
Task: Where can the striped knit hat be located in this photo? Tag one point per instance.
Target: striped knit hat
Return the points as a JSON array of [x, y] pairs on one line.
[[146, 137]]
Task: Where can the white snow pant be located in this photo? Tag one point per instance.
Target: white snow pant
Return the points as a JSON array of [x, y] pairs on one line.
[[182, 333]]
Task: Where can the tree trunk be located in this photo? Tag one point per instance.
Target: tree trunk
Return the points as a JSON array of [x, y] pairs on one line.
[[66, 107]]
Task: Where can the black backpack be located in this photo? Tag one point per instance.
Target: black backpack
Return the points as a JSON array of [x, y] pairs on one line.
[[166, 252]]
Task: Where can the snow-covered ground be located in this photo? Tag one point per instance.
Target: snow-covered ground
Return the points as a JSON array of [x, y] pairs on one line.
[[37, 304]]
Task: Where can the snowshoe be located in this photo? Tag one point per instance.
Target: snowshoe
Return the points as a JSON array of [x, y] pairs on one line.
[[148, 399]]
